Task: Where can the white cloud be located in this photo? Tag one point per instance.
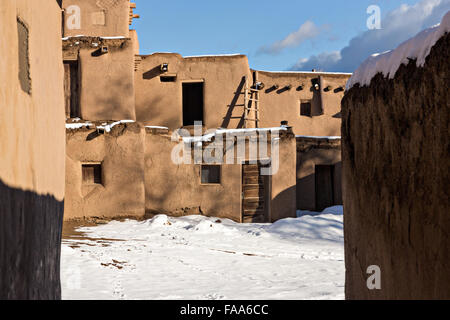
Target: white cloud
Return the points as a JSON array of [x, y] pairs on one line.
[[397, 26], [307, 31]]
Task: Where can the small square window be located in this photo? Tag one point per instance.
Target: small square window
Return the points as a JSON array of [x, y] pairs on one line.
[[210, 174], [92, 173], [305, 108]]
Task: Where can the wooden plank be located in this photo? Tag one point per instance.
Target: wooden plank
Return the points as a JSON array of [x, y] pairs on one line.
[[253, 180], [254, 219], [253, 192], [251, 168]]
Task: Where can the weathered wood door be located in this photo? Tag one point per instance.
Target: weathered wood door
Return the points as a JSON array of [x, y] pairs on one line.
[[324, 187], [255, 190], [71, 89]]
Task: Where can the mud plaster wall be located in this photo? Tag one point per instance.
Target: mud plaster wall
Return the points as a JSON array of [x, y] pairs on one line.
[[103, 18], [312, 152], [177, 190], [280, 104], [121, 154], [32, 145], [160, 103], [107, 88], [395, 181], [283, 204]]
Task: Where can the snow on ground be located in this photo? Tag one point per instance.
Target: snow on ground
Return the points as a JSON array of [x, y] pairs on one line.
[[418, 47], [196, 257]]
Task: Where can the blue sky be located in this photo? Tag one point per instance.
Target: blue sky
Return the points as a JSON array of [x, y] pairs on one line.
[[327, 35]]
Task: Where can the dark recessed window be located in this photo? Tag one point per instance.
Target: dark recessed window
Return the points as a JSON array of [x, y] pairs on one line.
[[168, 78], [210, 174], [24, 58], [192, 103], [92, 173], [305, 108]]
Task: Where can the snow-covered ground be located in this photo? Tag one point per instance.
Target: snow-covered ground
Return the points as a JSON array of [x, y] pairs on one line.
[[196, 257]]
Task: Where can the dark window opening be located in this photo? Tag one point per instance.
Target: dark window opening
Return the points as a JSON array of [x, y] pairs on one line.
[[92, 174], [168, 78], [305, 108], [324, 175], [192, 103], [71, 89], [24, 58], [210, 174]]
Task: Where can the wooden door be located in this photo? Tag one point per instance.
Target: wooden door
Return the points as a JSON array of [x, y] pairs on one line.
[[71, 89], [324, 187], [255, 207]]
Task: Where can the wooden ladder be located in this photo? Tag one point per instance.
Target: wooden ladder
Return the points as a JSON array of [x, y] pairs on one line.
[[251, 101]]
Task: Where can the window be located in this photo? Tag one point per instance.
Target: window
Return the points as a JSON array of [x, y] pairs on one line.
[[98, 18], [24, 59], [192, 103], [92, 173], [168, 78], [210, 174], [305, 108]]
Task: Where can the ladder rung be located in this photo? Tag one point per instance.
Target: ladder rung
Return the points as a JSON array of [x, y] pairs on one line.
[[256, 100], [250, 119], [252, 109]]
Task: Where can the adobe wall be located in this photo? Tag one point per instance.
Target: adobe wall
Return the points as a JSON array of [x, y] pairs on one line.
[[281, 104], [176, 189], [32, 145], [283, 204], [395, 181], [102, 18], [121, 154], [311, 152], [107, 80], [160, 103]]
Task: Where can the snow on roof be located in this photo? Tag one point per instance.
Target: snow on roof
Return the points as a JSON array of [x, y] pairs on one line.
[[213, 55], [321, 137], [308, 72], [208, 137], [77, 125], [389, 62], [157, 127], [108, 127], [82, 36]]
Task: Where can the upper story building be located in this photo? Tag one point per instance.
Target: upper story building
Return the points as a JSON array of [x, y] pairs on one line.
[[108, 79]]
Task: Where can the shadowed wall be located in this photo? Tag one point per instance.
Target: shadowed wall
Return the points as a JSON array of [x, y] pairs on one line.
[[32, 148], [395, 181]]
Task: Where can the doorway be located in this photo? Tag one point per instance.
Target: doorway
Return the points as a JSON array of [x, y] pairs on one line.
[[71, 89], [192, 103], [255, 194], [324, 186]]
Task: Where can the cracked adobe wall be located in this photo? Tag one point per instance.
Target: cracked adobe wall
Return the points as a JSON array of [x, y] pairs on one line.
[[395, 181]]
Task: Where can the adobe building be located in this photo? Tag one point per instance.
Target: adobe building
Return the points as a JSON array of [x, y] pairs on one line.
[[395, 171], [123, 109], [32, 147]]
